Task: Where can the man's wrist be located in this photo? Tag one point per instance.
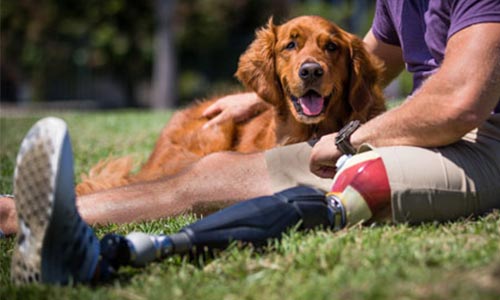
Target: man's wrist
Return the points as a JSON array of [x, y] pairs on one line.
[[342, 140]]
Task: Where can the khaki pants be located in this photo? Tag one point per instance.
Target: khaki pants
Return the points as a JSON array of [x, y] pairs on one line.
[[436, 184]]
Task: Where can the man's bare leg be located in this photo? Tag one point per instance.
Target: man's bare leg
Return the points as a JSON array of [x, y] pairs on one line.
[[215, 181]]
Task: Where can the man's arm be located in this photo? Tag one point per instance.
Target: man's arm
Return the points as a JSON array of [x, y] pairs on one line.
[[390, 55], [458, 98]]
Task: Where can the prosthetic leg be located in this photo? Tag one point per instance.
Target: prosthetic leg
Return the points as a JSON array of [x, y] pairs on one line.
[[253, 221], [360, 190]]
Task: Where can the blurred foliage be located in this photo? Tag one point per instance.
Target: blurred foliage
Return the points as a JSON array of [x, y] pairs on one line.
[[211, 35], [53, 40], [56, 44], [353, 15]]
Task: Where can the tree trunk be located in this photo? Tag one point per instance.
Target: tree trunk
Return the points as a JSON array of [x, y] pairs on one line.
[[164, 84]]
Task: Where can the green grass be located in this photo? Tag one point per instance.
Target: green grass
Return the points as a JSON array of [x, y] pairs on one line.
[[459, 260]]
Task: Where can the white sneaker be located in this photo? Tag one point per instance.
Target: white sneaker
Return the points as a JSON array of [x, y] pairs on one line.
[[53, 244]]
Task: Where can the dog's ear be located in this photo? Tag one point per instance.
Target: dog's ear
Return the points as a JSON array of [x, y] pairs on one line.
[[256, 69], [365, 79]]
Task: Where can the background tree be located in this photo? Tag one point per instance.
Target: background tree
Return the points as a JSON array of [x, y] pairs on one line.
[[164, 81]]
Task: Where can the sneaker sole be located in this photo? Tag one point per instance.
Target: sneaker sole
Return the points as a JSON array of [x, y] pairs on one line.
[[34, 188]]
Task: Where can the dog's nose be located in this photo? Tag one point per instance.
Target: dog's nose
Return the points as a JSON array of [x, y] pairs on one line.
[[310, 71]]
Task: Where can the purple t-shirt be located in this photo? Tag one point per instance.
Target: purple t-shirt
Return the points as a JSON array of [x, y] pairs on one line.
[[413, 24]]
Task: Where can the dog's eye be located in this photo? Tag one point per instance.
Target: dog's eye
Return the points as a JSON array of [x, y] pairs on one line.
[[291, 45], [330, 46]]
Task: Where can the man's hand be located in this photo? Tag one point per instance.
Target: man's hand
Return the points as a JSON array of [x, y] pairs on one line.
[[324, 156], [237, 107]]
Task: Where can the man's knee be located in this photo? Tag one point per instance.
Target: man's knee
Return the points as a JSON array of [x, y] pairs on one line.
[[229, 159], [236, 175]]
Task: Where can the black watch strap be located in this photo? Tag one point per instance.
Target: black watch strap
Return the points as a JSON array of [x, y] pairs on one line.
[[342, 141]]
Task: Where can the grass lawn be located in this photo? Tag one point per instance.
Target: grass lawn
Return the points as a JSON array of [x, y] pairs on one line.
[[459, 260]]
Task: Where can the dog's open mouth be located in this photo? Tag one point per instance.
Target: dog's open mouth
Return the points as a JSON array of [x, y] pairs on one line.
[[311, 104]]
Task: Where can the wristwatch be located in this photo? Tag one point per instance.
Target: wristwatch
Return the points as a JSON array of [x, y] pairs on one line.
[[342, 140]]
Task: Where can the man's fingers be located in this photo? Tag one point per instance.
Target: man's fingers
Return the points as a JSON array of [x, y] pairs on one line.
[[212, 110], [217, 120], [324, 171]]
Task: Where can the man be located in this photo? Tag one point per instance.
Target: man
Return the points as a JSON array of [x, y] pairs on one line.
[[436, 156]]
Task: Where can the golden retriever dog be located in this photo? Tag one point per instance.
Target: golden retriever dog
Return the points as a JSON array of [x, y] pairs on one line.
[[316, 76]]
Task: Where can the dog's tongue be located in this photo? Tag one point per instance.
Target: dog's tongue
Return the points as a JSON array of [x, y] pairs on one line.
[[311, 104]]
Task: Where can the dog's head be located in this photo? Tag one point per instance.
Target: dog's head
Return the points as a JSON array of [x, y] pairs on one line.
[[314, 68]]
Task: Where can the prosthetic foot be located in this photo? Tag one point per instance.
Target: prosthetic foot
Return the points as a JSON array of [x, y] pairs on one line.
[[53, 245], [253, 221]]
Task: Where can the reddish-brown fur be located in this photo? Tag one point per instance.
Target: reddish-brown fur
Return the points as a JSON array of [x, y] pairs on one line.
[[351, 80]]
